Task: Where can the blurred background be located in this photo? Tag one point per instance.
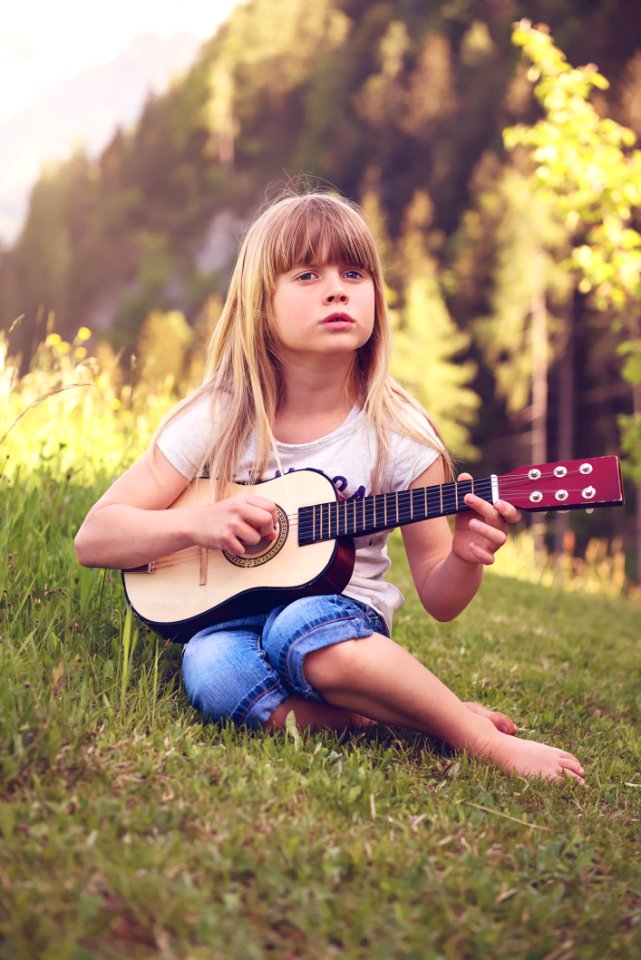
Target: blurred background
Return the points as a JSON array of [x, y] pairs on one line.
[[138, 140]]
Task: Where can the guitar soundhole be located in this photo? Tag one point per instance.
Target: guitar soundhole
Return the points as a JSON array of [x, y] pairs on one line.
[[265, 550]]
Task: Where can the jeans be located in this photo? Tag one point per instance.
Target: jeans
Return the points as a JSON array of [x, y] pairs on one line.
[[243, 669]]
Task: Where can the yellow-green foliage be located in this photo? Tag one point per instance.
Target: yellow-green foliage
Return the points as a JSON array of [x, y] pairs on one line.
[[74, 412], [72, 407]]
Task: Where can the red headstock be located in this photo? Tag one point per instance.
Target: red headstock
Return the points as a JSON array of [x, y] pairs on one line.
[[569, 484]]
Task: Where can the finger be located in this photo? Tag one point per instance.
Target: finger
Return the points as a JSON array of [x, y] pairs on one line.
[[252, 532], [482, 507], [258, 517], [481, 555], [508, 511], [263, 504], [499, 511], [495, 536]]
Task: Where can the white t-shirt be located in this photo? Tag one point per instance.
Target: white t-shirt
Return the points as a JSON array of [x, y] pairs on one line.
[[347, 456]]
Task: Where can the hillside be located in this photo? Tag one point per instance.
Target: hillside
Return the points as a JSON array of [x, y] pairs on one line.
[[103, 97], [400, 106]]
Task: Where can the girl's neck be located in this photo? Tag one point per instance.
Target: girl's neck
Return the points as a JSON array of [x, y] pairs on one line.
[[314, 404]]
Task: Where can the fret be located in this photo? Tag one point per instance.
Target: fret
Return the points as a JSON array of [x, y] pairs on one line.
[[449, 498], [370, 513], [379, 505], [465, 487], [434, 502], [404, 506], [483, 489]]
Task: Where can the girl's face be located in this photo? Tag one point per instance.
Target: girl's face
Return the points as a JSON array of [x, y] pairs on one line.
[[323, 310]]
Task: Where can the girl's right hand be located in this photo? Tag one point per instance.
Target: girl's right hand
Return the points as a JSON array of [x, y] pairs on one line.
[[235, 523]]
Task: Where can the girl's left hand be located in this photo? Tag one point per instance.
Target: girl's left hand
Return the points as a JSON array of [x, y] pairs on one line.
[[481, 531]]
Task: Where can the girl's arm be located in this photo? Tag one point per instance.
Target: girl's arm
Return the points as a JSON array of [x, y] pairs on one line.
[[447, 569], [130, 524]]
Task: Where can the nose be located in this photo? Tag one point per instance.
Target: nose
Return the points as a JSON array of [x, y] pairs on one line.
[[335, 291]]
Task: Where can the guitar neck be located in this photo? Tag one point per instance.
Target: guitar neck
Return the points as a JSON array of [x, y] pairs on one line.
[[568, 485], [384, 511]]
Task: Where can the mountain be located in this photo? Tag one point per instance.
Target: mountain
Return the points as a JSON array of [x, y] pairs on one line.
[[84, 111]]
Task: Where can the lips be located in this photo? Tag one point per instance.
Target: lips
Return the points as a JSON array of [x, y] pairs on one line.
[[337, 318]]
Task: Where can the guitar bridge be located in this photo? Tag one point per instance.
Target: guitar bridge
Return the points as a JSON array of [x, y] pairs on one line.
[[143, 568]]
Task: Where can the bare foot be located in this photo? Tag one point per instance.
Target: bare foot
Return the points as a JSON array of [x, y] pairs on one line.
[[501, 721], [529, 758]]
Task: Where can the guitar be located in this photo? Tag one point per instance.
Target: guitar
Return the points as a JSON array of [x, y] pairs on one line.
[[313, 552]]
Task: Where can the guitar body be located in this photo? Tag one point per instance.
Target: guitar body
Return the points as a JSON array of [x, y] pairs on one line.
[[180, 594]]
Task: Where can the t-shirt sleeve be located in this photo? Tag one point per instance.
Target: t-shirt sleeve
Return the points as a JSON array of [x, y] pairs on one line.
[[186, 439], [410, 458]]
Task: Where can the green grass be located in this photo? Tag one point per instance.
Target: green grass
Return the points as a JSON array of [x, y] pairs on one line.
[[127, 829]]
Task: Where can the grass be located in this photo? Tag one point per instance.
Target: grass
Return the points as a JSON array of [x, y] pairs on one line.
[[128, 829]]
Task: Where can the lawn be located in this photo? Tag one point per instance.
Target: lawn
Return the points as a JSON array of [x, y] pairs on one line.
[[128, 829]]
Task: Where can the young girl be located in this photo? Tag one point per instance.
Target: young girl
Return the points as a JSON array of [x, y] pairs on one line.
[[297, 377]]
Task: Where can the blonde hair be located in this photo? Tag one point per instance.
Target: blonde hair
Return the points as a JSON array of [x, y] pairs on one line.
[[242, 368]]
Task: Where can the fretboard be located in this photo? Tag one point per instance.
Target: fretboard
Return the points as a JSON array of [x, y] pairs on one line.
[[383, 511]]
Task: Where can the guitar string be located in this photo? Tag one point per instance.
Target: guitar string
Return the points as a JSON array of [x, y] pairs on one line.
[[404, 513]]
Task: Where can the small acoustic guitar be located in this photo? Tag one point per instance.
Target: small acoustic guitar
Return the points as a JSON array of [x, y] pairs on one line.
[[313, 552]]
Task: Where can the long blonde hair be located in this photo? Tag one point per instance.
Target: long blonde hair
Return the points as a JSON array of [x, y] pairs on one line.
[[242, 368]]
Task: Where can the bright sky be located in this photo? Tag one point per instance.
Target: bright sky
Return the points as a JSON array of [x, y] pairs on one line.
[[44, 42]]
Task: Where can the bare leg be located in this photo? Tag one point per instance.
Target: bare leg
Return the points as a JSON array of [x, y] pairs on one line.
[[316, 715], [379, 679]]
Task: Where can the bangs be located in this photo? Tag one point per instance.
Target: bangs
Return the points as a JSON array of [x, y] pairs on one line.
[[321, 229]]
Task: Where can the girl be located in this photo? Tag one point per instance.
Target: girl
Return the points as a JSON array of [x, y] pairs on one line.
[[297, 376]]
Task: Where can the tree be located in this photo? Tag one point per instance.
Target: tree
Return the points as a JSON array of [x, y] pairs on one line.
[[589, 171], [428, 344]]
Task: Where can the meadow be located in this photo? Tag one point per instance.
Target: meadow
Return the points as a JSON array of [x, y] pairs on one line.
[[130, 830]]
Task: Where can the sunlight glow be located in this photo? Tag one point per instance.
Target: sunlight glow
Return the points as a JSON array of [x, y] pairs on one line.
[[42, 44]]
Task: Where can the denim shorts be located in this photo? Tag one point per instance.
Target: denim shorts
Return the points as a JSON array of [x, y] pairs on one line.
[[243, 669]]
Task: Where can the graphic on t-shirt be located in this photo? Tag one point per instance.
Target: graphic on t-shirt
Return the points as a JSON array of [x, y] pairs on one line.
[[340, 483]]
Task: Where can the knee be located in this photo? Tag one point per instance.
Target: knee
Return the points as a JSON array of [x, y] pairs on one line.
[[229, 678], [334, 666]]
